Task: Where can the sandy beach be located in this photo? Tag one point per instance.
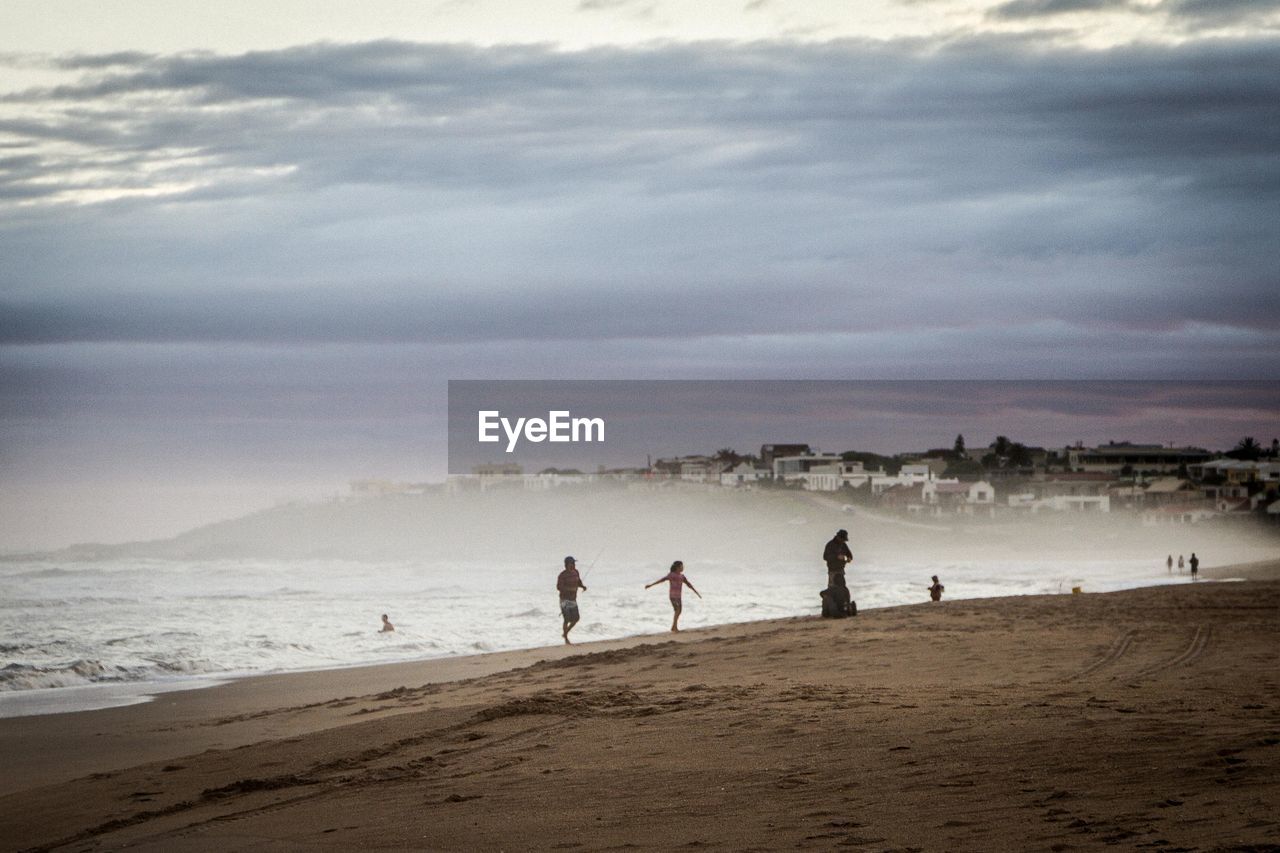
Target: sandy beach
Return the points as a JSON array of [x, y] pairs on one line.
[[1145, 719]]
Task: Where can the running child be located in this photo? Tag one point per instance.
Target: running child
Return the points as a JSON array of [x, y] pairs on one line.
[[678, 582]]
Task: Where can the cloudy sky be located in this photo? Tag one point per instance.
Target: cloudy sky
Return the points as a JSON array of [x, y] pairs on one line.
[[241, 252]]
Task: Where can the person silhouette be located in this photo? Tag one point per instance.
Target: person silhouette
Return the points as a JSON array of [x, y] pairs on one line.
[[678, 582], [567, 584], [935, 591]]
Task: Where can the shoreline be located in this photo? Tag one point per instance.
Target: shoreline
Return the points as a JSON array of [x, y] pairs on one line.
[[229, 694], [992, 695], [100, 696], [90, 733], [1256, 570]]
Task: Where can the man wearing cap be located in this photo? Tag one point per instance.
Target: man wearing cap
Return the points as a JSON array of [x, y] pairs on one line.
[[835, 598], [837, 555], [568, 584]]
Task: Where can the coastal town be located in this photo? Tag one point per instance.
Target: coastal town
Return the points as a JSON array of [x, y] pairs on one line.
[[1157, 484]]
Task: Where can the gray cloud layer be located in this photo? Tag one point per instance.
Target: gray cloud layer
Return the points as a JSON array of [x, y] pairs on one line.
[[393, 191], [1016, 9], [1221, 11], [334, 230], [1195, 13]]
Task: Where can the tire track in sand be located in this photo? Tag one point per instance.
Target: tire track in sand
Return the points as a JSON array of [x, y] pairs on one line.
[[1199, 643], [1117, 650]]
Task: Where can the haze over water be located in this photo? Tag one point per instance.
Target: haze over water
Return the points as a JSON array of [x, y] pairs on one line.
[[147, 620]]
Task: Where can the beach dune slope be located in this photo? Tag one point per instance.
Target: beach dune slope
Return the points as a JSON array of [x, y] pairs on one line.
[[1147, 719]]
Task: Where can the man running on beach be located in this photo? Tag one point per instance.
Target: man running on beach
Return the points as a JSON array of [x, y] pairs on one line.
[[935, 591], [678, 583], [568, 584]]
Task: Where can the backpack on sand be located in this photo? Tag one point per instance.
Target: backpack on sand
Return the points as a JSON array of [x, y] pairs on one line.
[[836, 602]]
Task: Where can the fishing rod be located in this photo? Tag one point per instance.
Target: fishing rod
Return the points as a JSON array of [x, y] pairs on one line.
[[593, 561]]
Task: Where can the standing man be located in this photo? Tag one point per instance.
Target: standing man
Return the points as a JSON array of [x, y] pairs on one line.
[[935, 591], [1169, 564], [568, 584], [837, 601], [1195, 565], [837, 555]]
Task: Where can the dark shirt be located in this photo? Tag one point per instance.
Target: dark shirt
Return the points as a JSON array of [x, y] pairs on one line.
[[568, 583], [837, 555], [935, 591]]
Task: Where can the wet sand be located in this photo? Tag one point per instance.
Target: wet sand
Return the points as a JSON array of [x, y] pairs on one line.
[[1146, 719]]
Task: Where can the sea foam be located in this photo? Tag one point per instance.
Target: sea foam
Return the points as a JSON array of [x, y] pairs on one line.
[[160, 621]]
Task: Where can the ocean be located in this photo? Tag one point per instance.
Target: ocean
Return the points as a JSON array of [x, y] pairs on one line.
[[75, 636]]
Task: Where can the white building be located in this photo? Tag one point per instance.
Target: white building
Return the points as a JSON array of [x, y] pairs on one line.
[[822, 478], [742, 475], [822, 473], [1240, 470], [790, 469], [919, 472], [952, 496], [1074, 503], [552, 478], [1117, 457], [1030, 502], [854, 475], [915, 474]]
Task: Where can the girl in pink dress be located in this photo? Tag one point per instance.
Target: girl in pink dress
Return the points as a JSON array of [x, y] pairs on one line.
[[678, 582]]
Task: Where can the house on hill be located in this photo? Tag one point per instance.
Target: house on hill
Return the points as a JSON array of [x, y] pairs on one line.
[[1170, 490], [822, 470], [1065, 492], [1123, 457], [743, 475], [904, 497], [1178, 513], [770, 452], [950, 497]]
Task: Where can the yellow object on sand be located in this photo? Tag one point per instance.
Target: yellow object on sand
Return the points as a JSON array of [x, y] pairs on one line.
[[1075, 590]]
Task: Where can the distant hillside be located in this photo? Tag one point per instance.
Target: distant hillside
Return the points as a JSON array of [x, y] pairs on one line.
[[658, 525], [502, 525]]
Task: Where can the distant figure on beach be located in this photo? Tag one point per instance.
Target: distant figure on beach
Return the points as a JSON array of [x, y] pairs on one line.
[[1169, 564], [568, 584], [386, 625], [837, 555], [1181, 565], [1195, 565], [678, 582], [836, 601], [935, 591]]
